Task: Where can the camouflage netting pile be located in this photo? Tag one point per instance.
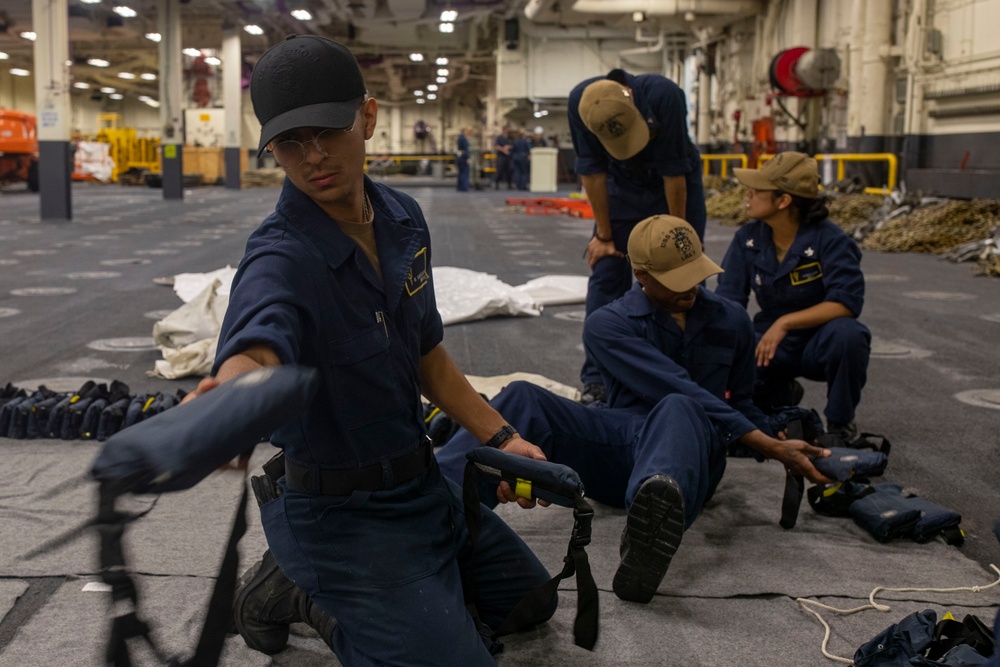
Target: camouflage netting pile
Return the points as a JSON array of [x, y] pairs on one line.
[[852, 212], [725, 200], [936, 227]]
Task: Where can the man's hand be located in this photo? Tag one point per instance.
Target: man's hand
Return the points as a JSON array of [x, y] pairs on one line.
[[520, 446], [794, 455], [598, 249], [768, 344], [207, 384]]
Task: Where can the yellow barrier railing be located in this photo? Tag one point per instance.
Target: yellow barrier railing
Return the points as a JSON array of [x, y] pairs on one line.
[[841, 158], [724, 158]]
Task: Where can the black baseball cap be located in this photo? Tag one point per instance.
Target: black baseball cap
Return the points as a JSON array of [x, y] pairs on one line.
[[305, 81]]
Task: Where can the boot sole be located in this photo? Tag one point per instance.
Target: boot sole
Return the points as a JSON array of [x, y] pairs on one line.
[[655, 527]]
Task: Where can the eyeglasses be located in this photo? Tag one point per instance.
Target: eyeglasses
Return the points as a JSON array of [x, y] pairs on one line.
[[290, 153]]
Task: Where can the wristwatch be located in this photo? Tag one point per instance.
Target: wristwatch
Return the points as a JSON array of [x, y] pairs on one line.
[[505, 433]]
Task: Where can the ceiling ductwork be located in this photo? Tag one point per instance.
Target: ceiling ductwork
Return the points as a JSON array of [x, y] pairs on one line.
[[668, 7]]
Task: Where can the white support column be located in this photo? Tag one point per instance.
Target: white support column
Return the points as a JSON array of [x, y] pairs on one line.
[[232, 98], [168, 16], [855, 70], [51, 50], [875, 68], [704, 108]]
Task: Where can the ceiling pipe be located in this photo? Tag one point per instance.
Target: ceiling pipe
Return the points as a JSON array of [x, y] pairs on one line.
[[583, 32], [667, 7], [655, 47], [540, 11]]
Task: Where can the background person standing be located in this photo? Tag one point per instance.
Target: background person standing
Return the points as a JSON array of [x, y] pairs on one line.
[[462, 159]]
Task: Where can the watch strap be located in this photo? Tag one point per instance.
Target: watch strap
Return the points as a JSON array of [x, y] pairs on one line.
[[505, 433]]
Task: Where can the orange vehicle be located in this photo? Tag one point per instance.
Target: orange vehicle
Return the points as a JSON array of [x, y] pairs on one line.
[[18, 148]]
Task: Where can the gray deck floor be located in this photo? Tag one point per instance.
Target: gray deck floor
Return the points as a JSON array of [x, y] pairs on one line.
[[729, 598]]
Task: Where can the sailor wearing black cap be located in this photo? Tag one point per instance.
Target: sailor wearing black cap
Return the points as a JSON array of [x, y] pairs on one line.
[[339, 278]]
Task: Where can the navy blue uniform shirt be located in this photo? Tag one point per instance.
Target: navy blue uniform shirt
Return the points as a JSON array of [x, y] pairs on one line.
[[822, 264], [643, 356], [635, 186], [307, 291]]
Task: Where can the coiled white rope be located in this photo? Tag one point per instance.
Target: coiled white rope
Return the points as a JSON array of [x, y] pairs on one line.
[[806, 605]]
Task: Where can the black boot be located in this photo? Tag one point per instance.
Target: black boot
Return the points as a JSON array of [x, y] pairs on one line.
[[267, 603], [653, 531]]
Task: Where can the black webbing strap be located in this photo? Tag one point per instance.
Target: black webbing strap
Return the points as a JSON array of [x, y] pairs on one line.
[[532, 605], [127, 624], [794, 484], [110, 525]]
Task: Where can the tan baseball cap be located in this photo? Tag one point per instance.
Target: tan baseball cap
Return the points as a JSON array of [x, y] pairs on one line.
[[794, 173], [607, 109], [670, 250]]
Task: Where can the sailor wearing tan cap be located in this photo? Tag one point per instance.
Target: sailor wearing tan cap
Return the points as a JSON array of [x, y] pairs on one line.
[[678, 362], [636, 159], [805, 273]]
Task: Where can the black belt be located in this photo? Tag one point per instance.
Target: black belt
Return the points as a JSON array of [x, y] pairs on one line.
[[374, 477]]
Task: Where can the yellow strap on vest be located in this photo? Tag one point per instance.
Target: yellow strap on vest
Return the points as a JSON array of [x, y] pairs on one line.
[[523, 488]]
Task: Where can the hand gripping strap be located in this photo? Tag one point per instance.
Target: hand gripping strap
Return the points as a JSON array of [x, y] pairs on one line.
[[558, 484]]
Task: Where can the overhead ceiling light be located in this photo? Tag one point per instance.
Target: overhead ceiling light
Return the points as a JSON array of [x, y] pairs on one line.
[[4, 55], [417, 57], [432, 87], [91, 2], [421, 100], [124, 11], [442, 79], [418, 93], [107, 90], [449, 16], [442, 72], [126, 75], [82, 85], [17, 71], [212, 60], [254, 29], [154, 36], [301, 14], [441, 61], [149, 100], [69, 63], [194, 53], [98, 62], [431, 96], [27, 34], [116, 96], [446, 27], [147, 76]]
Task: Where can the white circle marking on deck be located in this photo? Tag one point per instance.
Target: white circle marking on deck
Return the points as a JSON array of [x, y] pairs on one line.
[[982, 398], [133, 344], [43, 291]]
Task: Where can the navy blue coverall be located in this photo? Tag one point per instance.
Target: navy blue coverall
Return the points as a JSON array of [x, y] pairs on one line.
[[462, 162], [635, 186], [822, 264], [504, 173], [520, 157], [676, 400], [383, 563]]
